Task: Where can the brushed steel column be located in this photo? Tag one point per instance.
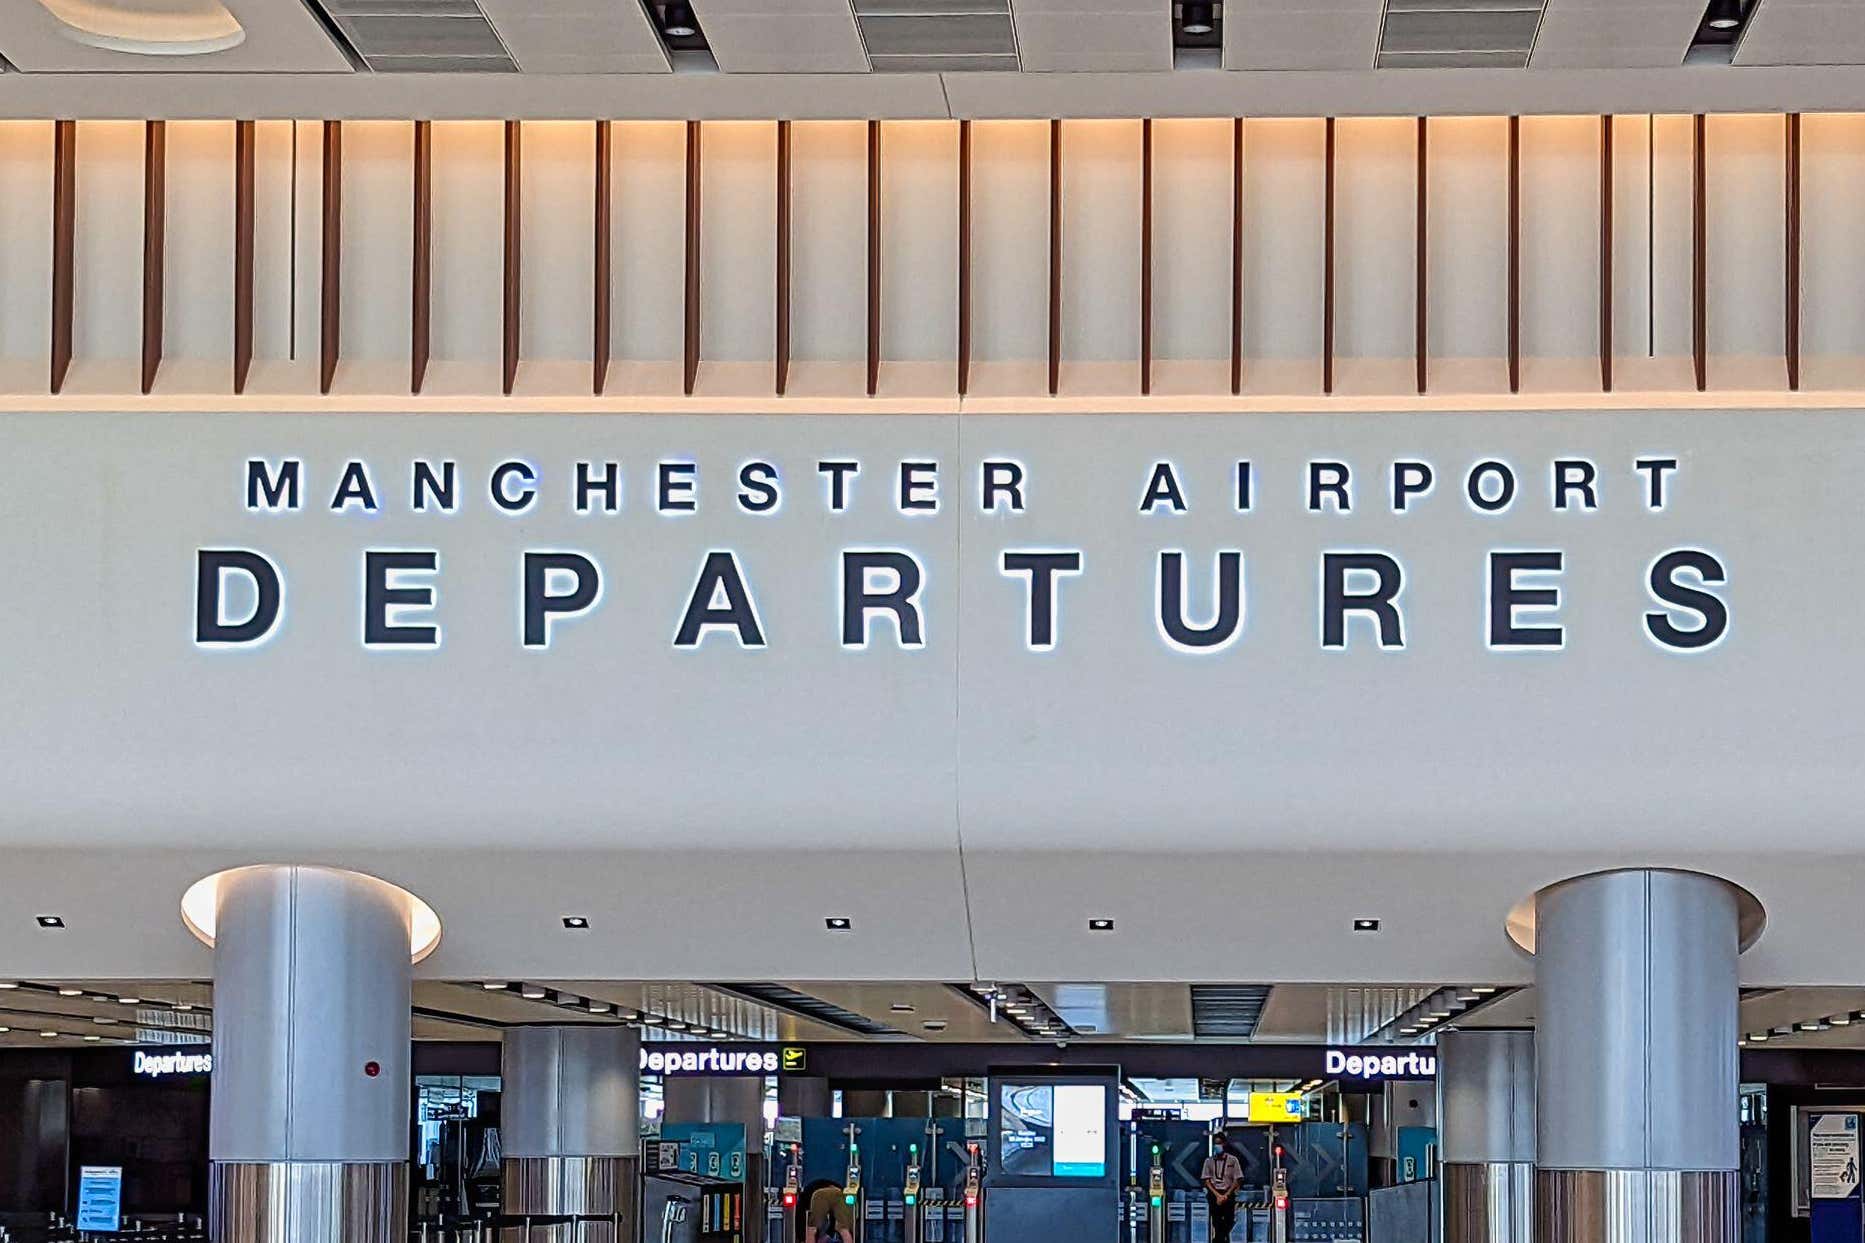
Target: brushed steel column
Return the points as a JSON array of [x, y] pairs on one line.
[[1635, 975], [570, 1122], [1486, 1135], [309, 1120]]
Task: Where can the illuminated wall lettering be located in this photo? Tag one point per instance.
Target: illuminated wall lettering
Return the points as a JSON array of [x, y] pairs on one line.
[[1516, 597], [1227, 615], [880, 581], [556, 585], [1361, 582], [720, 601], [1042, 568]]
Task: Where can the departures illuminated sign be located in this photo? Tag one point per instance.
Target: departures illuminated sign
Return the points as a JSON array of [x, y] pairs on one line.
[[683, 1060], [1376, 1064], [1518, 591], [170, 1065]]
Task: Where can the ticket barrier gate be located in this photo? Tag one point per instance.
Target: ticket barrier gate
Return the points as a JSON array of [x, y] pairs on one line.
[[1156, 1199]]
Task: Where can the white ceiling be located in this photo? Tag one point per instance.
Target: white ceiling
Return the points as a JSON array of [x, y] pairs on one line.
[[807, 58]]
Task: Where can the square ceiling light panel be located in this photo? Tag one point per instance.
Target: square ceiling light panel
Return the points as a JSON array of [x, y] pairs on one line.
[[420, 36], [1459, 34], [938, 36], [173, 36]]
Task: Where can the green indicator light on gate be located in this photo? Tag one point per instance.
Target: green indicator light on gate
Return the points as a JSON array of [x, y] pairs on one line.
[[911, 1200], [848, 1199], [1155, 1201]]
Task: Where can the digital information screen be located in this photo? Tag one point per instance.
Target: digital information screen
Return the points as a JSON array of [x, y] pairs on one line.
[[1054, 1130]]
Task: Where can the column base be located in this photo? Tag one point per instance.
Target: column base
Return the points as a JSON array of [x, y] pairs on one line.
[[1637, 1206], [308, 1202], [598, 1187], [1490, 1202]]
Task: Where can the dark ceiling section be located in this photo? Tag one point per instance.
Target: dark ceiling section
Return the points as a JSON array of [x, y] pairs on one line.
[[779, 997], [1227, 1011]]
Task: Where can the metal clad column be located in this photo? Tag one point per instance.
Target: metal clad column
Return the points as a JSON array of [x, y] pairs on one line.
[[571, 1125], [309, 1131], [1637, 1063], [1486, 1127]]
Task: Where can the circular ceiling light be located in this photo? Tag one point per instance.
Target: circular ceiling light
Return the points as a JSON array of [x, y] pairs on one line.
[[1197, 19], [200, 910], [148, 27], [1725, 14]]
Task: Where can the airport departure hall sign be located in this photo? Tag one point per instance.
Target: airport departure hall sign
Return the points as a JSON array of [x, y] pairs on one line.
[[1199, 599], [1592, 630]]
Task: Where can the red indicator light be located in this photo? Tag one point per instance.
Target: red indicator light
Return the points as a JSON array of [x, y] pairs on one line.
[[790, 1201], [971, 1201], [1281, 1202]]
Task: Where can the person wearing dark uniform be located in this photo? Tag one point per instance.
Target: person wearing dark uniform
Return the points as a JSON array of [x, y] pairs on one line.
[[1222, 1175], [830, 1219]]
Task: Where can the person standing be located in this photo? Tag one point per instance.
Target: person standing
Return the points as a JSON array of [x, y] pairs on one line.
[[1222, 1175]]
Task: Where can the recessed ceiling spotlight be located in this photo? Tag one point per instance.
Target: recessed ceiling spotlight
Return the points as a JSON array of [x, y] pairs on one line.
[[49, 1035], [568, 999], [1196, 18], [677, 21], [71, 992], [839, 923], [1840, 1020], [9, 983], [901, 1007], [1483, 990], [1100, 925], [934, 1025], [93, 1037], [983, 990], [1725, 14], [576, 923], [1366, 925], [493, 986], [183, 1006], [531, 992], [675, 1025], [4, 1030], [129, 1001], [51, 921], [1758, 1037], [598, 1007], [104, 1020], [652, 1020]]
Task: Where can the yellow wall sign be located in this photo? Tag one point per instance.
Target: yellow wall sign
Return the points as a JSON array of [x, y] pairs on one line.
[[1277, 1107]]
